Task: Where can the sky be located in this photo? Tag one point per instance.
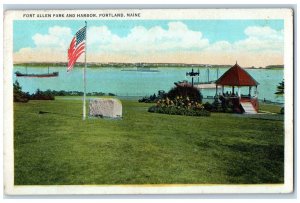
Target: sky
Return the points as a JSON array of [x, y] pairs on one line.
[[250, 42]]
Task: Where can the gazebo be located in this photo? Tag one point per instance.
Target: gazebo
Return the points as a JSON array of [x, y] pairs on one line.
[[238, 77]]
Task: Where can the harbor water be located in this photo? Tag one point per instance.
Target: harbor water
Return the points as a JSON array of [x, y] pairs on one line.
[[140, 83]]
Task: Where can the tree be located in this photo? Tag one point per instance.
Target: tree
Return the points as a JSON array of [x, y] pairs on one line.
[[280, 89], [19, 95], [280, 92]]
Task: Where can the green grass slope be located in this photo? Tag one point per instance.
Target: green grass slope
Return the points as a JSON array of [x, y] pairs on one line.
[[58, 148]]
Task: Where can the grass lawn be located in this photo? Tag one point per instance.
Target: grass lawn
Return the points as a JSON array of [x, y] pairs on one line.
[[270, 108], [58, 148]]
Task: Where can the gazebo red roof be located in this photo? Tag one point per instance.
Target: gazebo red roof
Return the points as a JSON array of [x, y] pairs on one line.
[[236, 76]]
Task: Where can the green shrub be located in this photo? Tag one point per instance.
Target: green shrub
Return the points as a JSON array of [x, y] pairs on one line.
[[153, 98], [152, 109], [221, 104], [186, 92], [208, 106], [42, 95], [282, 110]]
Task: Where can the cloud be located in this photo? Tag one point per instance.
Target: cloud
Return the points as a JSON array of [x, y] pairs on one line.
[[57, 37], [264, 33], [99, 37], [54, 44], [159, 43], [259, 39], [141, 40], [262, 39], [220, 46]]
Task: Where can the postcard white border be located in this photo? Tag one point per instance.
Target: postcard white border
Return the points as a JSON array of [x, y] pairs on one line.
[[147, 14]]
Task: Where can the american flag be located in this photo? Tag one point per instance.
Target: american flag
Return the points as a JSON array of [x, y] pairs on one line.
[[77, 47]]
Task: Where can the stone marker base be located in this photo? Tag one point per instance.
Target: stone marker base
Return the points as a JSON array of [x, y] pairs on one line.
[[105, 108]]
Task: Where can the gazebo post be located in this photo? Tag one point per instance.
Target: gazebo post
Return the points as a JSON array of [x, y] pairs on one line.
[[222, 89], [239, 91], [232, 90], [250, 91], [256, 90], [216, 89]]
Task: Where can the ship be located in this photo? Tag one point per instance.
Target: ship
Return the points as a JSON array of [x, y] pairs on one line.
[[32, 75], [35, 75], [142, 68]]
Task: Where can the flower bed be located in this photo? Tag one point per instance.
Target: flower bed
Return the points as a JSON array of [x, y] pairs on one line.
[[179, 106]]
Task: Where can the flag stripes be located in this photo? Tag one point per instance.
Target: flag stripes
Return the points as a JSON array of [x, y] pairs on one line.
[[77, 47]]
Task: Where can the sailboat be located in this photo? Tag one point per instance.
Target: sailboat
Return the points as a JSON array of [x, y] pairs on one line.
[[34, 75]]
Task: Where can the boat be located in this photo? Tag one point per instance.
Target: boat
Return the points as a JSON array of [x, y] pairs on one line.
[[206, 85], [210, 84], [147, 69], [34, 75], [198, 85], [183, 83], [142, 68]]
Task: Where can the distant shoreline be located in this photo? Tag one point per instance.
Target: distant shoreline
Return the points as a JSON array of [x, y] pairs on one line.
[[148, 65]]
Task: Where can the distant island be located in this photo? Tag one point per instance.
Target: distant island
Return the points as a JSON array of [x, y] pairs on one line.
[[274, 66], [129, 65]]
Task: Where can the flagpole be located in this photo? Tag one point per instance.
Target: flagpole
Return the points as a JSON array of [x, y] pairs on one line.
[[84, 75]]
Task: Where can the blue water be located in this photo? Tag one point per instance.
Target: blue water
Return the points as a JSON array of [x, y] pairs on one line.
[[135, 83]]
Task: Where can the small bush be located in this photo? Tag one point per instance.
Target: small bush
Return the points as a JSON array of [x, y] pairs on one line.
[[152, 109], [282, 110], [220, 104], [208, 106], [186, 92], [42, 95], [153, 98]]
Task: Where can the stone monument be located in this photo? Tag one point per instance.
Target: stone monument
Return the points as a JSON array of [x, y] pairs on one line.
[[105, 108]]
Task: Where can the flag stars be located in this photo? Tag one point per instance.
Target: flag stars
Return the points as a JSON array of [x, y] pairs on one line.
[[80, 35]]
